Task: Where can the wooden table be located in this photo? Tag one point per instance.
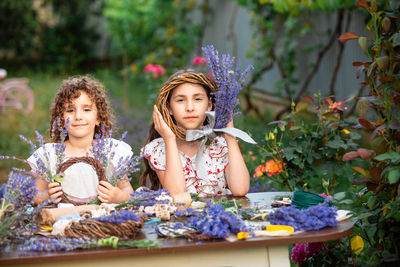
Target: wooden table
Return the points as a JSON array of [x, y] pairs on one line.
[[265, 251]]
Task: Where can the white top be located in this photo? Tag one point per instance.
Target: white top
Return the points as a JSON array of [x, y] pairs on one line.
[[74, 186], [215, 157]]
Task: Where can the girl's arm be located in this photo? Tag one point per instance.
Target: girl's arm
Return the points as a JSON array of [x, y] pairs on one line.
[[108, 193], [172, 178], [237, 174]]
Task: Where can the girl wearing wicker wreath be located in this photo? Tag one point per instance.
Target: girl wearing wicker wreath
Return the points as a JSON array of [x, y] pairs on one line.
[[82, 105], [181, 105]]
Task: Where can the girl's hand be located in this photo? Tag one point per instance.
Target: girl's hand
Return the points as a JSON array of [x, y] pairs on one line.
[[161, 127], [108, 193], [55, 192]]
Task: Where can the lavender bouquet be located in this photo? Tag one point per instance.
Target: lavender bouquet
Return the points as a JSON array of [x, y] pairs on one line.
[[103, 149], [229, 79]]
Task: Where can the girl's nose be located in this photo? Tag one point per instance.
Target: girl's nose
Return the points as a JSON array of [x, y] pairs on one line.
[[78, 115], [189, 106]]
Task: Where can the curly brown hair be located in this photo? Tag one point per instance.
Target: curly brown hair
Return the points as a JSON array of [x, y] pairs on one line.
[[178, 78], [71, 89]]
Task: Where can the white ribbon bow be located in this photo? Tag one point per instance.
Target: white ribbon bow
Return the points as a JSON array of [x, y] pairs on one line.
[[209, 132]]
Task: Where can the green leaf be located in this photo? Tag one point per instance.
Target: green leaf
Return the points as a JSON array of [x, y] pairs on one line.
[[339, 196], [394, 175], [362, 107], [289, 153], [393, 156], [336, 143], [371, 202], [395, 39]]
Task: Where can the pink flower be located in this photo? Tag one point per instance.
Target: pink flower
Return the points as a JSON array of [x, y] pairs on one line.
[[199, 61], [326, 196], [300, 252], [155, 70], [3, 73]]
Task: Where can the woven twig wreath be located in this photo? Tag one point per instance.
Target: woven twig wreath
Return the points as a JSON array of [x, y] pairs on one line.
[[95, 229], [89, 160]]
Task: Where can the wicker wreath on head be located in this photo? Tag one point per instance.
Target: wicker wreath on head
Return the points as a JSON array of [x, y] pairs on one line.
[[185, 76], [98, 168]]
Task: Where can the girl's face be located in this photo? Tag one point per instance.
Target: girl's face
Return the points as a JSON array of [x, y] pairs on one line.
[[81, 116], [188, 103]]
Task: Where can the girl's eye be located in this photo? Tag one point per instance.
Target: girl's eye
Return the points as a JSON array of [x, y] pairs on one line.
[[199, 99], [87, 109], [179, 100], [69, 110]]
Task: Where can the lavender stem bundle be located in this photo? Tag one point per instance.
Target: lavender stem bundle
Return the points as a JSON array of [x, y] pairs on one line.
[[229, 79]]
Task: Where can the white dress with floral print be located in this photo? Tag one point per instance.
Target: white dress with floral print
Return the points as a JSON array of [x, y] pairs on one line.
[[215, 156]]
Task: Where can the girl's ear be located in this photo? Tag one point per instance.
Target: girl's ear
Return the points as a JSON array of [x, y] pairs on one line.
[[209, 108], [170, 110]]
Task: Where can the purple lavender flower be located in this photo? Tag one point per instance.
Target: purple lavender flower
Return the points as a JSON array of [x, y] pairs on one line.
[[20, 190], [229, 80], [55, 244], [118, 217], [217, 222], [103, 150], [314, 218], [145, 198]]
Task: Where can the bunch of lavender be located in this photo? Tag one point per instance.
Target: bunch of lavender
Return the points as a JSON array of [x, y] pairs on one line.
[[44, 167], [186, 212], [68, 244], [17, 216], [215, 221], [118, 217], [20, 190], [103, 149], [145, 198], [314, 218], [229, 79]]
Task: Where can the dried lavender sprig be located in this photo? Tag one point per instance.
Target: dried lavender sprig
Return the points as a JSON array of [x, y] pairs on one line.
[[217, 222], [20, 190], [118, 217], [313, 218], [68, 244], [226, 74]]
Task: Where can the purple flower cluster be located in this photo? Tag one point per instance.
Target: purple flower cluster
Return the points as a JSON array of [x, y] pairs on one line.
[[217, 222], [54, 244], [103, 150], [20, 190], [145, 198], [300, 252], [314, 218], [186, 212], [118, 217], [226, 74]]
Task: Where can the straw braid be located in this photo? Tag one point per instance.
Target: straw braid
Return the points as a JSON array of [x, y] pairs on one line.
[[171, 84]]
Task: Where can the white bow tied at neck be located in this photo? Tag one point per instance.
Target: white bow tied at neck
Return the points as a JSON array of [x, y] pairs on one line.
[[208, 132]]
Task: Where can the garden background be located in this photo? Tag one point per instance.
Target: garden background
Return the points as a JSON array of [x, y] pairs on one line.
[[322, 101]]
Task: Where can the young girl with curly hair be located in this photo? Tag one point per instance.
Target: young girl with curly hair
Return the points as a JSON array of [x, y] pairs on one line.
[[82, 106], [171, 160]]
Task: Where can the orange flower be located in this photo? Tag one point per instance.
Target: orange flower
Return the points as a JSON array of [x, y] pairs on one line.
[[259, 171], [338, 106], [273, 167]]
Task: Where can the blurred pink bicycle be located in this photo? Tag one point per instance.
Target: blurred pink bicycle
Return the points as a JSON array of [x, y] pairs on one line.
[[15, 94]]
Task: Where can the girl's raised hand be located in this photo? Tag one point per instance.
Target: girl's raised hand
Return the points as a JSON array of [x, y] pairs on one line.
[[161, 127], [108, 193], [55, 192]]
